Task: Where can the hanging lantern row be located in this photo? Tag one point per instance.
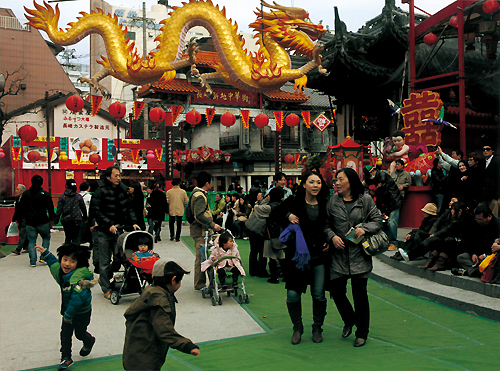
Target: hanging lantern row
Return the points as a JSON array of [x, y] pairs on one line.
[[75, 103]]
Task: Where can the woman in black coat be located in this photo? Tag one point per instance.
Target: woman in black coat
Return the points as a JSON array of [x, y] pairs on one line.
[[306, 209], [137, 198]]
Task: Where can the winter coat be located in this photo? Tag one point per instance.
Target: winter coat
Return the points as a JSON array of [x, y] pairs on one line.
[[157, 205], [351, 259], [218, 207], [86, 200], [442, 221], [257, 220], [71, 204], [491, 183], [150, 330], [219, 252], [112, 206], [242, 212], [438, 180], [388, 196], [177, 200], [34, 206], [480, 239], [314, 236], [401, 178], [75, 287], [427, 223]]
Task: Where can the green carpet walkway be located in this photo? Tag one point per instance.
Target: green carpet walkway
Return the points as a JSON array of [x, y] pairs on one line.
[[406, 333]]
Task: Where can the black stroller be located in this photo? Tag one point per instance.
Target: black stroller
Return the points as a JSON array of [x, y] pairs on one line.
[[135, 277]]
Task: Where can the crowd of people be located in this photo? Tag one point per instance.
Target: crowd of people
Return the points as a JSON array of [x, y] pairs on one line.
[[297, 237]]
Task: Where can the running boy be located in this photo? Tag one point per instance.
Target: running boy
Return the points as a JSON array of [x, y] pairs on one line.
[[150, 321], [75, 279]]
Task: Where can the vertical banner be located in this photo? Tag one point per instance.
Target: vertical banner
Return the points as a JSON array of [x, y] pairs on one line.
[[277, 151], [176, 111], [209, 114], [306, 115], [95, 102], [245, 115], [138, 107], [169, 163], [278, 115]]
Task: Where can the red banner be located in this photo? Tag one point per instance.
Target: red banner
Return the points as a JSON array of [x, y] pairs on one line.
[[159, 153], [138, 108], [78, 154], [95, 101], [278, 115], [209, 113], [245, 116], [306, 115], [135, 155], [176, 112]]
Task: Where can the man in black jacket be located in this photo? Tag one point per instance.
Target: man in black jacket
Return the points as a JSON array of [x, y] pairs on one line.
[[111, 207], [485, 231], [491, 180], [23, 239], [34, 206], [388, 199]]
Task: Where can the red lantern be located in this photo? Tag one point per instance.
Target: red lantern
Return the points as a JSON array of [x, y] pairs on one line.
[[117, 110], [193, 118], [2, 154], [27, 133], [430, 39], [454, 21], [490, 7], [289, 159], [292, 120], [75, 103], [94, 158], [228, 119], [261, 120], [34, 156], [157, 115]]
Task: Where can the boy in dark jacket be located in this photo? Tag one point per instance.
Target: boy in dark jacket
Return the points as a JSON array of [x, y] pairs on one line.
[[150, 321], [73, 276]]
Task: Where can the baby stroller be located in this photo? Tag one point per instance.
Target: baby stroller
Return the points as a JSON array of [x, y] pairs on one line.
[[213, 288], [136, 275]]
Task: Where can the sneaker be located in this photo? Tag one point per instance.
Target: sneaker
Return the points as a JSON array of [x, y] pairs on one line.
[[108, 295], [392, 247], [16, 252], [42, 261], [397, 256], [33, 265], [246, 238], [404, 254], [85, 351], [65, 363], [459, 272]]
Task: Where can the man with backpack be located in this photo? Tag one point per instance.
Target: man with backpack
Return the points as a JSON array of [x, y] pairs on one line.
[[199, 216]]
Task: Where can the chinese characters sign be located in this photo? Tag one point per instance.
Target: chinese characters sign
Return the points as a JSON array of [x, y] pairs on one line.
[[321, 122], [228, 97], [420, 106]]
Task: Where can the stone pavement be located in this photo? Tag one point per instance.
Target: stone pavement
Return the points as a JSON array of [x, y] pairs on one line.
[[30, 303]]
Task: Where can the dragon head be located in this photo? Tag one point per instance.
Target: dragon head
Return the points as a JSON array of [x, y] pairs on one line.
[[289, 27]]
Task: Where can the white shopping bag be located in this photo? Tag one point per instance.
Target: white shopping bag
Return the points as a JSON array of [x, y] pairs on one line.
[[13, 231], [224, 218]]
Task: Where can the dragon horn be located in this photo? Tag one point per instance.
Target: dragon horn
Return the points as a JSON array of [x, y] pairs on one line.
[[292, 12]]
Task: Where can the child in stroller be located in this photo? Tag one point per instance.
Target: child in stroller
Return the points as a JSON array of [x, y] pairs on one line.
[[225, 258], [138, 259]]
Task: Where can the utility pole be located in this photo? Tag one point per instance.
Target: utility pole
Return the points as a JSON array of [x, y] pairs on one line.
[[47, 116]]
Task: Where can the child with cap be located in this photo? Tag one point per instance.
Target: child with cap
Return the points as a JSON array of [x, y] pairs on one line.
[[150, 321]]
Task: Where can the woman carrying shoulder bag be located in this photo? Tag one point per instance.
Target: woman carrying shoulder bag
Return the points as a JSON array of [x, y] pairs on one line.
[[350, 207]]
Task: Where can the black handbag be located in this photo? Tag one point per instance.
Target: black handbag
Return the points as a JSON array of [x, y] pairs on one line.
[[374, 243]]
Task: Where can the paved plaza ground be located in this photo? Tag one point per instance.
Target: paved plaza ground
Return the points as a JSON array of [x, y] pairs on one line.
[[407, 333]]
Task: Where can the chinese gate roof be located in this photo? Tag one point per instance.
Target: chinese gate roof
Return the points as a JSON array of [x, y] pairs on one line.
[[348, 143]]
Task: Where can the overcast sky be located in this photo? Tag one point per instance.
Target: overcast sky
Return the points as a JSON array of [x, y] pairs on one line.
[[353, 12]]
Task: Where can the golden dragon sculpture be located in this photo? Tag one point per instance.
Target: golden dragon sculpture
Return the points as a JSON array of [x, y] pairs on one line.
[[280, 31]]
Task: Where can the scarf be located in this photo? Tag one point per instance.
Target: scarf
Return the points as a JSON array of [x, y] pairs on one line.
[[302, 255]]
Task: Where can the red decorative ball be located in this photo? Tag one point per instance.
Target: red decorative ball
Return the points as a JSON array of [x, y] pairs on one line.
[[94, 158], [27, 133], [454, 21], [292, 120], [75, 103], [430, 39], [34, 156], [490, 7], [157, 115], [228, 119], [261, 120], [117, 110], [289, 159], [193, 117]]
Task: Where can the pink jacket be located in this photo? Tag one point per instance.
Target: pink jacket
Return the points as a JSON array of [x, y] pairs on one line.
[[219, 252]]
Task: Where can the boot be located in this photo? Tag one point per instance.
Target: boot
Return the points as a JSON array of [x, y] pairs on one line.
[[431, 260], [295, 312], [440, 263], [319, 313]]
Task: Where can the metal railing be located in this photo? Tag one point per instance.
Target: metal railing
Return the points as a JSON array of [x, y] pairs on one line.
[[13, 23]]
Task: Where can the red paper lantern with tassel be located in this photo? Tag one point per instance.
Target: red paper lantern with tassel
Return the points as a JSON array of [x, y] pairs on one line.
[[27, 133], [157, 115], [117, 110], [430, 39], [490, 7], [228, 119], [454, 21], [261, 120], [193, 118], [292, 120], [75, 103]]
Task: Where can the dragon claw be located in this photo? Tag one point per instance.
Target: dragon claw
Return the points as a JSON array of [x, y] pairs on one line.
[[96, 86]]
